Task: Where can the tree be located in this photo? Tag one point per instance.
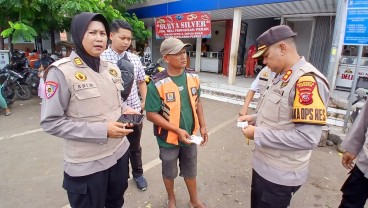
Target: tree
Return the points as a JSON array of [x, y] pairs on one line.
[[31, 18]]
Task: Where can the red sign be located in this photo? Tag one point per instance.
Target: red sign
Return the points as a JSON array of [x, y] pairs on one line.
[[186, 25]]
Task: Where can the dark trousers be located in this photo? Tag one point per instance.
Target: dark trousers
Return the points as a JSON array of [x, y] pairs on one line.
[[266, 194], [354, 190], [98, 190], [135, 150]]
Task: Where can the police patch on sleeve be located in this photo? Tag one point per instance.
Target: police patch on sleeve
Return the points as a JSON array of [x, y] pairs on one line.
[[308, 106], [50, 89]]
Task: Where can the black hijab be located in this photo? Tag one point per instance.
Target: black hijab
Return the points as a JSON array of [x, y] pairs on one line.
[[79, 27]]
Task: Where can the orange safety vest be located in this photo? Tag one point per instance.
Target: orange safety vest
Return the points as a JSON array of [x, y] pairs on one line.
[[170, 107]]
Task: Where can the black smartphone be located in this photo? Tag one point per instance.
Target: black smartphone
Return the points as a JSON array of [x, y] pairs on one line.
[[131, 118]]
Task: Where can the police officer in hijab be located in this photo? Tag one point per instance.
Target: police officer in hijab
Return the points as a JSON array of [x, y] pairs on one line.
[[82, 104]]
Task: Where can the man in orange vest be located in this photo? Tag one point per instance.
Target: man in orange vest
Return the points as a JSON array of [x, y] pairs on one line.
[[174, 106]]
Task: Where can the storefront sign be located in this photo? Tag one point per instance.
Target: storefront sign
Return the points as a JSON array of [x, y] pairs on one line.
[[186, 25], [345, 75], [356, 32]]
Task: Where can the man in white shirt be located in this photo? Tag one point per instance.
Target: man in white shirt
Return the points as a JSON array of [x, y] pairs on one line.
[[121, 38]]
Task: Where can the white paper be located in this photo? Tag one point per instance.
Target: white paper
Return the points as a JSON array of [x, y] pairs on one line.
[[196, 139], [242, 124]]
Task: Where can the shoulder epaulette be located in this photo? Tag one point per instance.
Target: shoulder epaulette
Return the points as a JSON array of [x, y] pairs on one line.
[[61, 61]]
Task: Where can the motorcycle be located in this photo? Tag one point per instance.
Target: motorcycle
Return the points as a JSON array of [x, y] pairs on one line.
[[152, 69], [21, 89], [18, 62], [33, 81]]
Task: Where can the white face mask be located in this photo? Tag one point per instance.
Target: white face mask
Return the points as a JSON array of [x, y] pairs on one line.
[[63, 53]]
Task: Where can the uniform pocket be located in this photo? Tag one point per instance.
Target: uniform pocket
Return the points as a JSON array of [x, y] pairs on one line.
[[271, 199], [272, 106], [119, 90], [74, 184], [77, 189], [89, 102]]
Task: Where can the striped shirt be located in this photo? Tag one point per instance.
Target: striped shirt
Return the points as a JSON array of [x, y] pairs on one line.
[[113, 57]]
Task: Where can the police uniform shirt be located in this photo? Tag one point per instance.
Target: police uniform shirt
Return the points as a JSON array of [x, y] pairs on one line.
[[255, 84], [54, 121], [356, 140], [302, 137]]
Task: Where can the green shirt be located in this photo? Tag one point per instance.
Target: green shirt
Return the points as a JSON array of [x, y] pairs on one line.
[[153, 104]]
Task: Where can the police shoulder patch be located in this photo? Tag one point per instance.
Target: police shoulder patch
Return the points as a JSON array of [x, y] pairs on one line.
[[50, 88], [308, 107]]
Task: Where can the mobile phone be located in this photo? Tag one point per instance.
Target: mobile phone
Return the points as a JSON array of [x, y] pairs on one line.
[[131, 118]]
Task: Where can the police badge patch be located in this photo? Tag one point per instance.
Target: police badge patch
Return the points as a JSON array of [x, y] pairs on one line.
[[80, 76], [50, 89], [170, 97], [308, 106], [113, 72], [305, 90]]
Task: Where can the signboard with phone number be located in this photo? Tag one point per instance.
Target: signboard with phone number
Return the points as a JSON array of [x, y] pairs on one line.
[[356, 23], [186, 25]]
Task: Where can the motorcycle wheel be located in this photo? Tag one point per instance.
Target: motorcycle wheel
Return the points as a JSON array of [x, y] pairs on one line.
[[34, 91], [23, 92]]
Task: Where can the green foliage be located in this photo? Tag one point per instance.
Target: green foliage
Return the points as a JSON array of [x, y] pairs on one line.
[[29, 18], [19, 30], [139, 30]]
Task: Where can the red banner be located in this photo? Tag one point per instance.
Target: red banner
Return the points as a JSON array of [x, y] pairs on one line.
[[186, 25]]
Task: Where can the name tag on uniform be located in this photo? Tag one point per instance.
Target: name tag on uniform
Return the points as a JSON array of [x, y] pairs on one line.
[[84, 85], [117, 80]]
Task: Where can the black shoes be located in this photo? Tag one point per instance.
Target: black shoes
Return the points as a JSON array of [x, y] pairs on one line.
[[141, 183]]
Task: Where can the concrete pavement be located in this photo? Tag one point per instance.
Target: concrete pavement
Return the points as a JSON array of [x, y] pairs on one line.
[[31, 166]]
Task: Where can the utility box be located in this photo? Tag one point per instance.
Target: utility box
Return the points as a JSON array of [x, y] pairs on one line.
[[4, 58]]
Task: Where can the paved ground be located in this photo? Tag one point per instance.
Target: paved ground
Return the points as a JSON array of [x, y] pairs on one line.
[[31, 166]]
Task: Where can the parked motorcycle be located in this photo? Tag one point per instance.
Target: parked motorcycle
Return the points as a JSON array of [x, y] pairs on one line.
[[21, 89], [153, 69], [33, 81], [18, 62]]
